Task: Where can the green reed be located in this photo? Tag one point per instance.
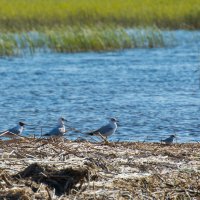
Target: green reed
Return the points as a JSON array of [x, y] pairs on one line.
[[77, 39]]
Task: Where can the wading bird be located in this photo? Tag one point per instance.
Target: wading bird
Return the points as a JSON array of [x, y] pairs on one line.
[[15, 131], [59, 130], [106, 130], [169, 140]]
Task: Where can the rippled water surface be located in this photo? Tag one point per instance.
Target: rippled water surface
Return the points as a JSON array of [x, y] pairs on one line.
[[153, 92]]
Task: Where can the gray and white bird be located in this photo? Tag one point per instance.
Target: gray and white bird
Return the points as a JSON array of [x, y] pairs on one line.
[[59, 130], [169, 140], [13, 132], [106, 130]]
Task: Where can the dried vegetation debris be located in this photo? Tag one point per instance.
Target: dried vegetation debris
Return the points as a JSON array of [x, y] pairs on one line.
[[62, 169]]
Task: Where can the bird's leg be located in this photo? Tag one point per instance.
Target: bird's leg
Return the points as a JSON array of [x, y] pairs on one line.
[[106, 140], [103, 137], [63, 139]]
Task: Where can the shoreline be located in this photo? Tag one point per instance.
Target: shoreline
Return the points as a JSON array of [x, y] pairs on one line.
[[63, 169]]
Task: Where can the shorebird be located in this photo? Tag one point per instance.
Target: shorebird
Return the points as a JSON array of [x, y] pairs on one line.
[[169, 140], [15, 131], [59, 130], [106, 130]]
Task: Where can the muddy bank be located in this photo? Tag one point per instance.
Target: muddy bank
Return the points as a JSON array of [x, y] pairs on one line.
[[57, 169]]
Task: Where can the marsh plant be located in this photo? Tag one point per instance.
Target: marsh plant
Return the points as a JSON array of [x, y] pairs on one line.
[[80, 39], [87, 25]]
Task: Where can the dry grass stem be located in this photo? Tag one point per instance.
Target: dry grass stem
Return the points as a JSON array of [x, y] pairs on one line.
[[41, 169]]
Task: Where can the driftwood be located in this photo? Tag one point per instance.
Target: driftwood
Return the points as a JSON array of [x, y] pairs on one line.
[[37, 168]]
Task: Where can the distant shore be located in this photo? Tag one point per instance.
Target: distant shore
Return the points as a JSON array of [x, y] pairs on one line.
[[32, 15], [58, 169], [83, 26]]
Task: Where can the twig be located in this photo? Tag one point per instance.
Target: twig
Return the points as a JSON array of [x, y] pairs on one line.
[[49, 194], [19, 155], [3, 176]]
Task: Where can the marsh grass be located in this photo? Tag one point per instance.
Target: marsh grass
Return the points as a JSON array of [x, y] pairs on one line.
[[87, 25], [27, 15], [77, 39]]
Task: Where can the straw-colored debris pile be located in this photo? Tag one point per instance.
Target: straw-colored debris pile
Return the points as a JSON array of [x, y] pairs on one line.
[[62, 169]]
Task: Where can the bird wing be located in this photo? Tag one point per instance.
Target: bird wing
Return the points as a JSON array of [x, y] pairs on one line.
[[3, 133], [14, 130], [168, 140], [102, 130], [54, 132]]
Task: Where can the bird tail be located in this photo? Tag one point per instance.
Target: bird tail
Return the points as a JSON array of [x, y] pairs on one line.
[[91, 133], [46, 134], [8, 134], [3, 133]]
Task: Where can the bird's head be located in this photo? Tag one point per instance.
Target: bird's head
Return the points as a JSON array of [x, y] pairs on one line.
[[172, 136], [113, 120], [22, 123], [61, 120]]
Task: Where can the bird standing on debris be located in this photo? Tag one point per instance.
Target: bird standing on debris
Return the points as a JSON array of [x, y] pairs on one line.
[[106, 130], [59, 130], [169, 140], [13, 132]]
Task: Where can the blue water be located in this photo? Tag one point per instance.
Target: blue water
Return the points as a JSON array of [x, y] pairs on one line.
[[152, 92]]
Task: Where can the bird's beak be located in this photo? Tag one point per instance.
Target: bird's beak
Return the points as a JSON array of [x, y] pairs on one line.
[[24, 124], [31, 125], [117, 121]]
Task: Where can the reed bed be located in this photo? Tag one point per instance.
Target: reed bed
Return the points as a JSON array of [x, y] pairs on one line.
[[74, 39], [34, 168], [87, 25], [29, 15]]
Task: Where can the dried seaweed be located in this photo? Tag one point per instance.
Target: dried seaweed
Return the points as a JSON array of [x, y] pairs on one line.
[[61, 180], [32, 168]]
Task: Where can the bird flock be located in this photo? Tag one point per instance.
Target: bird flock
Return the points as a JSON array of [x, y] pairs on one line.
[[59, 130]]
